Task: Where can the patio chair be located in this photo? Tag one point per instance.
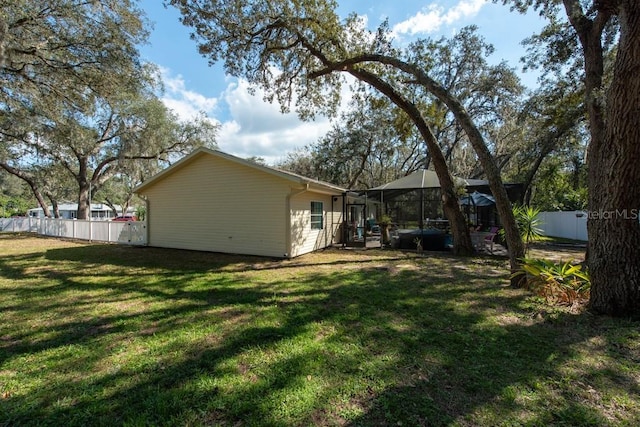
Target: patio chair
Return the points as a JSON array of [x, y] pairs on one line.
[[477, 240], [488, 240], [374, 228], [482, 240]]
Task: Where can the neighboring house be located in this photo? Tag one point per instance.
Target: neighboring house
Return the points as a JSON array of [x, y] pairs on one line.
[[99, 211], [213, 201]]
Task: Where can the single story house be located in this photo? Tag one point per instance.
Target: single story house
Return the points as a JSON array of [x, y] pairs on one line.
[[99, 211], [213, 201]]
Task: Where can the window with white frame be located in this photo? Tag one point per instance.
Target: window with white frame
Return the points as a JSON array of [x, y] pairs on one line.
[[316, 216]]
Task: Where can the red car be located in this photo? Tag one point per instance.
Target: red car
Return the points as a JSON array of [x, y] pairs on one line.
[[126, 218]]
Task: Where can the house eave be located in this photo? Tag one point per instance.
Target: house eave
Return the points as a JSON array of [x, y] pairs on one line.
[[317, 186]]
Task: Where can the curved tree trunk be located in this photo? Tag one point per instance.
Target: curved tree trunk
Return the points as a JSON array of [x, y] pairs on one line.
[[32, 184], [503, 204], [461, 239], [56, 209], [614, 181], [54, 205]]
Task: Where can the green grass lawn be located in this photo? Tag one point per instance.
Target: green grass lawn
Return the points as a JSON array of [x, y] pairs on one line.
[[111, 335]]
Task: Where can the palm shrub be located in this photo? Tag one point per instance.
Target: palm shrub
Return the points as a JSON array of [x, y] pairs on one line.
[[528, 221], [561, 282]]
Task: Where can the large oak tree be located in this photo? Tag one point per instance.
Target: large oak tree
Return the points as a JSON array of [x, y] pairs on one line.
[[76, 99], [590, 29]]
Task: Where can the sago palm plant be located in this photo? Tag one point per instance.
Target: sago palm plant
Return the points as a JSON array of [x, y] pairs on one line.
[[528, 221]]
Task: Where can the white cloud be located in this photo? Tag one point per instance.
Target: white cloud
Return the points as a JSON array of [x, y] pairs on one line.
[[434, 16], [249, 126], [185, 103], [257, 128]]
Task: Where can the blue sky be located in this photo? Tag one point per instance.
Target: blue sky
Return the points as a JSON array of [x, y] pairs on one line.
[[251, 127]]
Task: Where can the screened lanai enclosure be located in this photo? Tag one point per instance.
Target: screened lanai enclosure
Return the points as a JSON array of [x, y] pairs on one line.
[[361, 227], [414, 206]]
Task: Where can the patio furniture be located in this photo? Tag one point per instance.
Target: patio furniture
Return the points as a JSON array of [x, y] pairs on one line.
[[480, 240], [489, 239]]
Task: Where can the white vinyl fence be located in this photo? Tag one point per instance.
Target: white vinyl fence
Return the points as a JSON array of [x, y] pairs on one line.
[[19, 224], [128, 233], [568, 225]]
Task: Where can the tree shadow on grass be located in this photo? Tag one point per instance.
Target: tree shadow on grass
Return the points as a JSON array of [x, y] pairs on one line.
[[192, 261], [417, 344]]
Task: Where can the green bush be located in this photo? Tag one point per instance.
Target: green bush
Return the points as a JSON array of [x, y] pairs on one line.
[[528, 221], [558, 282]]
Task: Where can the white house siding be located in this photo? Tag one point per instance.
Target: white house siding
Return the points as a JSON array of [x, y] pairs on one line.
[[336, 218], [304, 239], [213, 204]]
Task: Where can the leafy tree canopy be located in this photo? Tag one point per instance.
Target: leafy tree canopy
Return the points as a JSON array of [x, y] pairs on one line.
[[68, 50], [77, 102]]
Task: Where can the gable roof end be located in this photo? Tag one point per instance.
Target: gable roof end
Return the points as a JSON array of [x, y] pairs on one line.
[[314, 184]]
